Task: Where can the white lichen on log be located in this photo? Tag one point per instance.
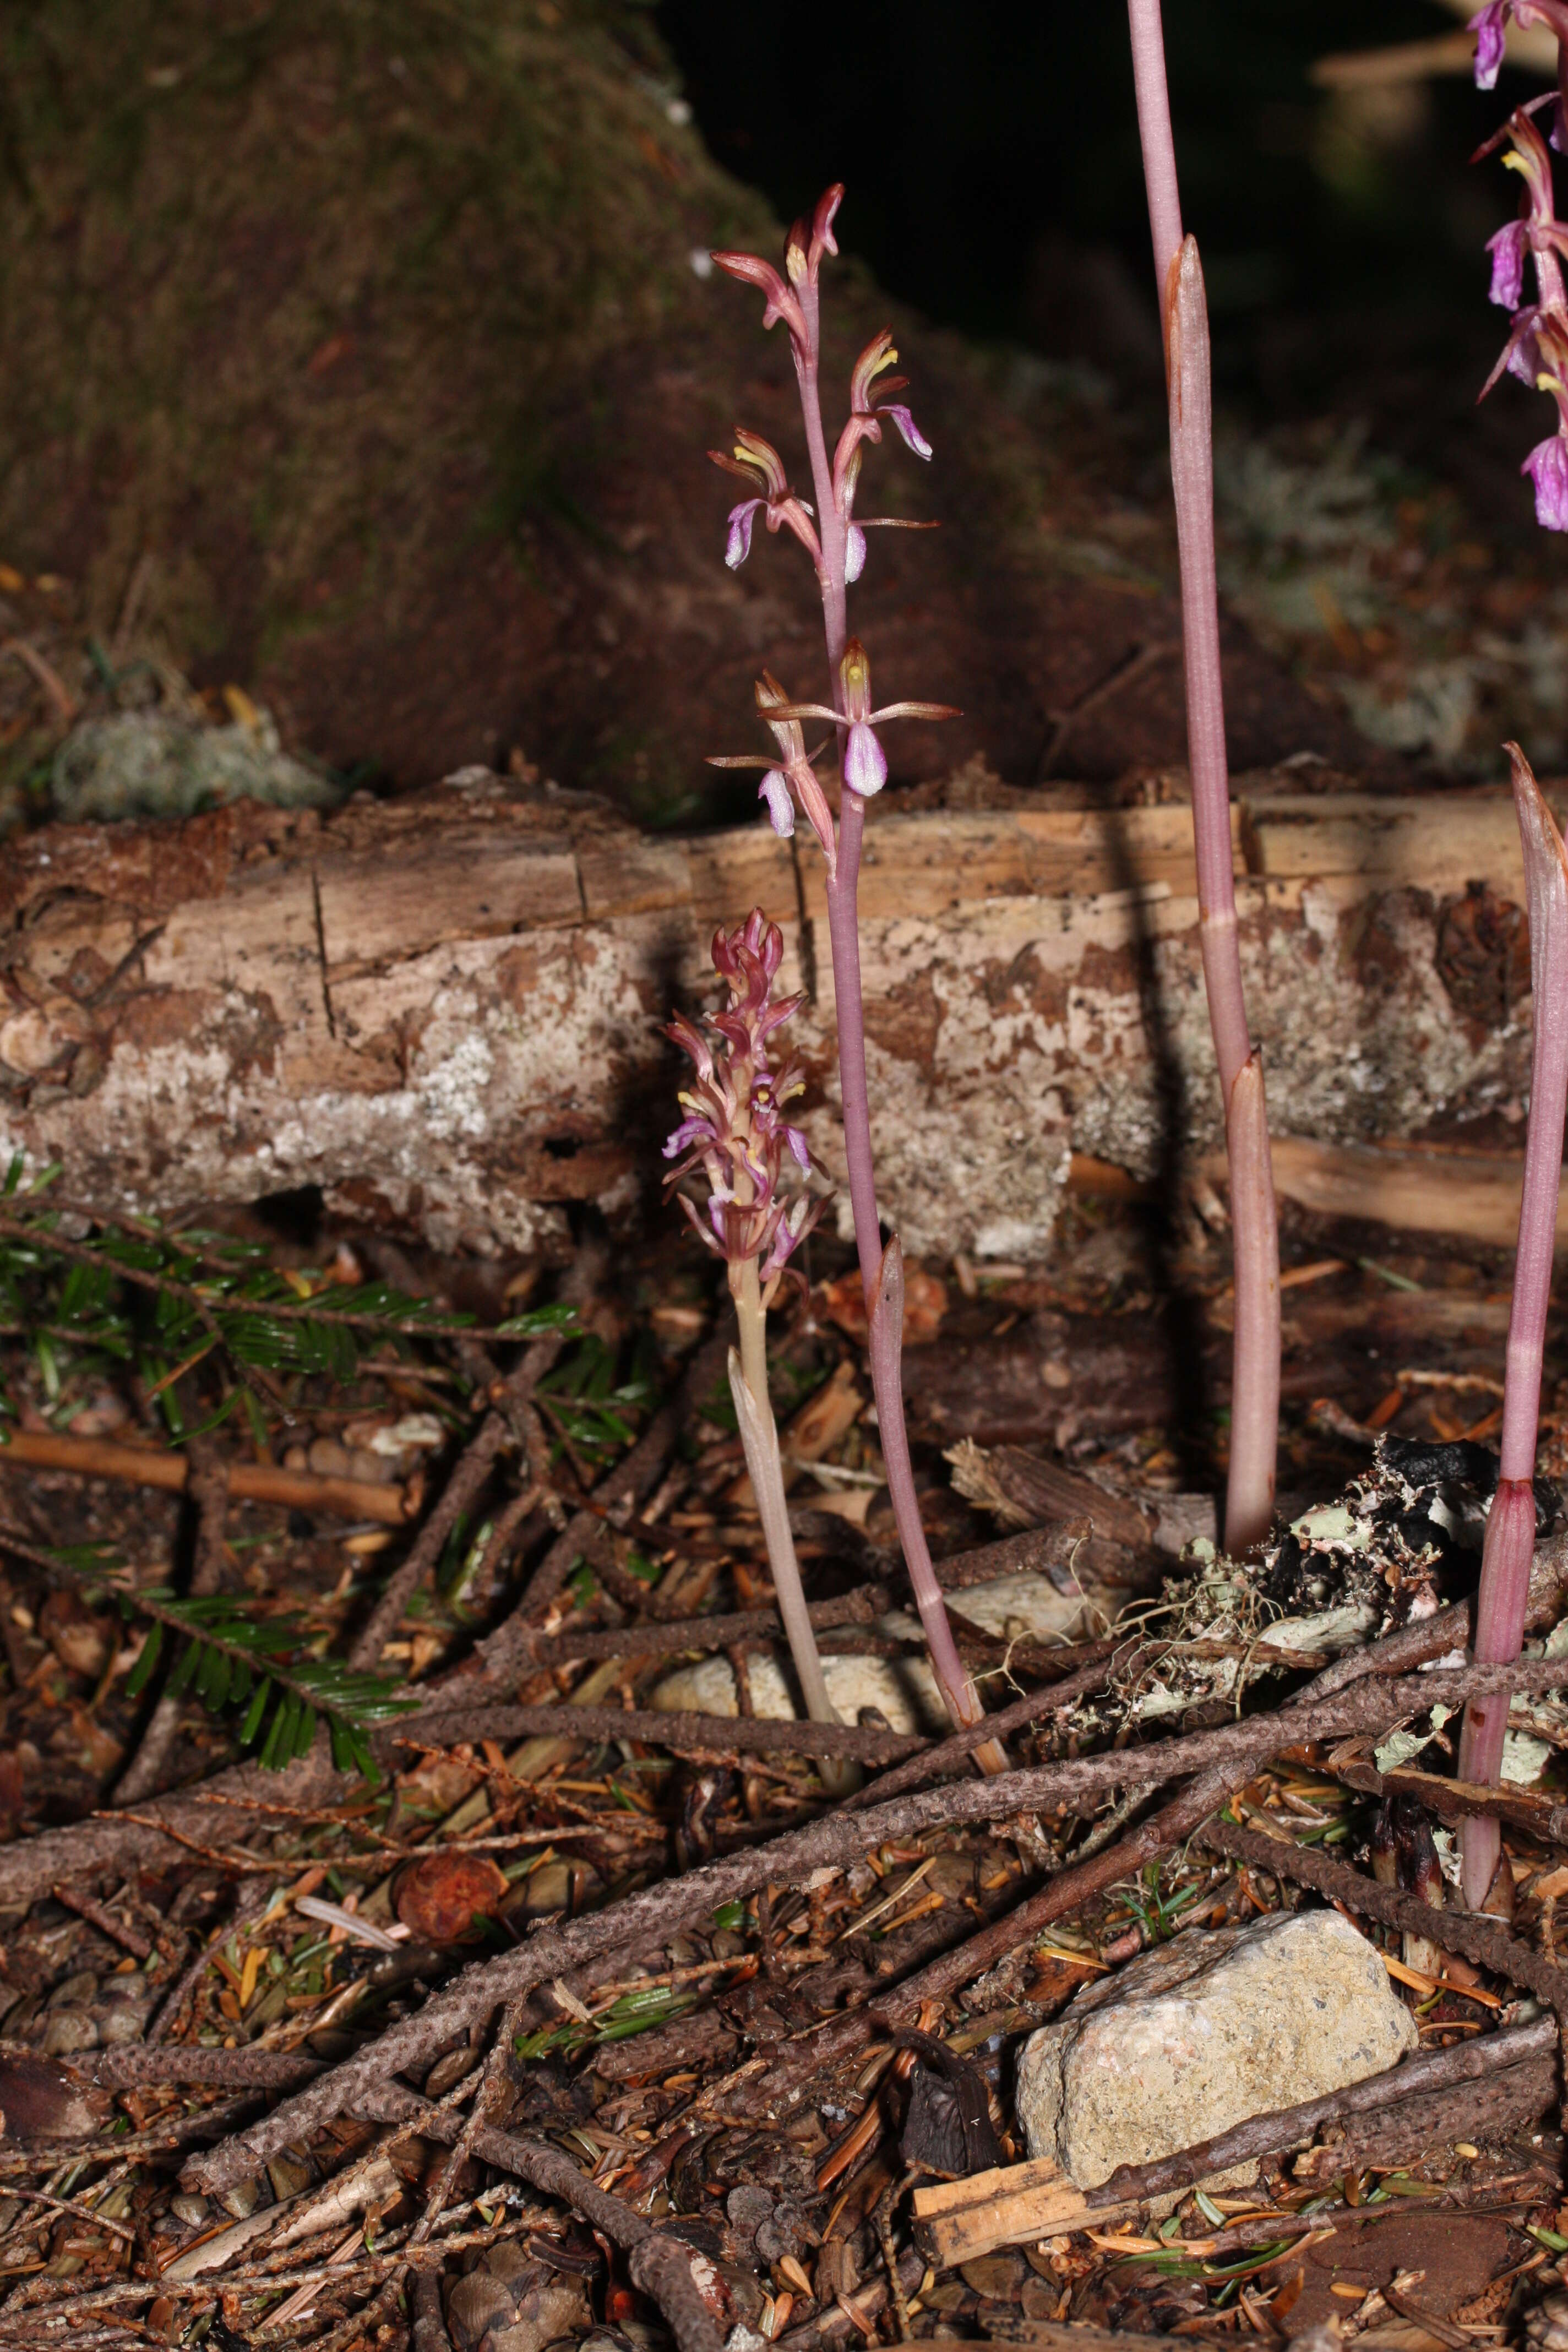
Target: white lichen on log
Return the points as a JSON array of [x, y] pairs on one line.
[[445, 1011]]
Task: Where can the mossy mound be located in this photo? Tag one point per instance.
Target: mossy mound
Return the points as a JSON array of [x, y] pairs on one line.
[[365, 336]]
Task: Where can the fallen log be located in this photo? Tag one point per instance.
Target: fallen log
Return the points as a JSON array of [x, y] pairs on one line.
[[443, 1009], [1473, 1193]]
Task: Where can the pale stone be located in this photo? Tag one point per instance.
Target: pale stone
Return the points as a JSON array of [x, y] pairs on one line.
[[903, 1689], [1204, 2032], [1014, 1608]]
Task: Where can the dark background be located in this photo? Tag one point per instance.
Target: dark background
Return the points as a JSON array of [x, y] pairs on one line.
[[992, 157]]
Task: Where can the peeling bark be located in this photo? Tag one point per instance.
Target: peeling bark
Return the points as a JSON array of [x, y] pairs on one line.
[[444, 1011]]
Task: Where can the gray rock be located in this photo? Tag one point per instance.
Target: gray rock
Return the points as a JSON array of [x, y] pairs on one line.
[[69, 2029], [1204, 2032], [121, 2020], [242, 2199]]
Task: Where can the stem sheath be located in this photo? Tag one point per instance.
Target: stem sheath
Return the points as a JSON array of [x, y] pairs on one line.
[[1254, 1382]]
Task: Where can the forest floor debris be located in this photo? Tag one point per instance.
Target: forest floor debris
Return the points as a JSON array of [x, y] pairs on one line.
[[720, 2029]]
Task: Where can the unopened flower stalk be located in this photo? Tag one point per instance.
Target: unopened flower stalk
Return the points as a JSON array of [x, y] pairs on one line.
[[835, 540], [733, 1134], [1255, 1375], [1510, 1525]]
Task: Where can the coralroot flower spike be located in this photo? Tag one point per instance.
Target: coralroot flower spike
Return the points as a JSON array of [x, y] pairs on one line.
[[838, 546], [735, 1134], [1537, 345], [1510, 1525]]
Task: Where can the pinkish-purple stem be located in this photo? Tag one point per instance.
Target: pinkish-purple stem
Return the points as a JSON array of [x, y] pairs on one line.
[[879, 1277], [1510, 1525], [1255, 1371]]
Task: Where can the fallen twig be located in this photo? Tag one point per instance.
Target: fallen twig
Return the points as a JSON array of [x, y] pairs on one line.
[[534, 1647], [621, 1490], [497, 1429], [130, 1939], [255, 1482], [207, 1486], [685, 1734], [1101, 1660], [830, 1844], [1457, 1800]]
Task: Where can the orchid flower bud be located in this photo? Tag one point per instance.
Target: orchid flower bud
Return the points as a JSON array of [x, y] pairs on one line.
[[774, 790], [1508, 250], [1487, 26], [1547, 465], [779, 300]]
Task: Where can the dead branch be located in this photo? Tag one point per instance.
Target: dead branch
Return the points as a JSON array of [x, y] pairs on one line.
[[468, 1475], [286, 953], [653, 1639], [207, 1484], [683, 1733], [429, 2325], [499, 1427], [1454, 1801], [1422, 2073], [616, 1496], [933, 1762]]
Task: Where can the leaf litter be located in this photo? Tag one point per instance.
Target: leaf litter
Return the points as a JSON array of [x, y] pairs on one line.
[[154, 2002]]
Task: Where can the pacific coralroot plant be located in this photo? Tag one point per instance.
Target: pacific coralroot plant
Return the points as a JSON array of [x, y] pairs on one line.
[[835, 538], [1254, 1378], [1537, 350], [736, 1135], [1510, 1526], [1537, 345]]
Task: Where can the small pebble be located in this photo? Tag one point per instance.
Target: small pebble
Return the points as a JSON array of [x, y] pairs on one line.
[[69, 2029], [186, 2206], [241, 2202]]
